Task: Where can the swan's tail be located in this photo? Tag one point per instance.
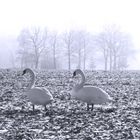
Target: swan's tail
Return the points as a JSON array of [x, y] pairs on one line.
[[52, 99], [109, 99]]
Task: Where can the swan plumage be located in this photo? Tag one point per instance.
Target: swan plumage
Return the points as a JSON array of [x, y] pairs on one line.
[[37, 95], [90, 94]]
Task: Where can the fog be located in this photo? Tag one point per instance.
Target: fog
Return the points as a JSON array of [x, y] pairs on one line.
[[8, 48], [66, 15]]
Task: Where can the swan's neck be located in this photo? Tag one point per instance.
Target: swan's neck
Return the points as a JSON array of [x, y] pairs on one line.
[[81, 84], [32, 81]]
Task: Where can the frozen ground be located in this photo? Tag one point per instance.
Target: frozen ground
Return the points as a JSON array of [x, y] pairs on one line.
[[67, 119]]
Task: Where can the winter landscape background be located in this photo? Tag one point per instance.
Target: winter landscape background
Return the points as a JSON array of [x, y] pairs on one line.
[[69, 34], [54, 38]]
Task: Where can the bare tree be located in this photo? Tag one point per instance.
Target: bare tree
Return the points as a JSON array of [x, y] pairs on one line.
[[82, 42], [68, 38], [92, 64], [53, 43], [38, 42], [113, 43], [78, 47], [24, 55], [87, 46], [100, 41], [34, 40]]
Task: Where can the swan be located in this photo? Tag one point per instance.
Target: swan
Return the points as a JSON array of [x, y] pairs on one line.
[[37, 95], [90, 94]]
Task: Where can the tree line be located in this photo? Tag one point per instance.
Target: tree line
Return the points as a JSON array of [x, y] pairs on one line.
[[44, 49]]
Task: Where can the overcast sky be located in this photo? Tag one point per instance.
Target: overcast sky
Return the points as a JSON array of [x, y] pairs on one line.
[[63, 15]]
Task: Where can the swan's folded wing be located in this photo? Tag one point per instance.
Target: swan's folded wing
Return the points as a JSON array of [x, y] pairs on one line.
[[91, 94], [39, 96]]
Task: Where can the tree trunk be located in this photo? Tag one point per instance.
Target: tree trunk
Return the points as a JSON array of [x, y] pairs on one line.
[[36, 63], [69, 60], [115, 63], [84, 56], [110, 56], [54, 59], [106, 63], [105, 59], [79, 63]]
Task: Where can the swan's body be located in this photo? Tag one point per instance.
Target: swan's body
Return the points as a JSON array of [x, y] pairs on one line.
[[37, 95], [89, 94]]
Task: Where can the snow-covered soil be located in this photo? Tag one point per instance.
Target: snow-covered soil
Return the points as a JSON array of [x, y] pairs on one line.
[[68, 119]]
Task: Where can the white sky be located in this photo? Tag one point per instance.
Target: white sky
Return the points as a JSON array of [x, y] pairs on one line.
[[62, 15]]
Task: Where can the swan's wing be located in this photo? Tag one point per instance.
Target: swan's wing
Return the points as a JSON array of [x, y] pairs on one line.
[[91, 94], [39, 96], [47, 92], [105, 95]]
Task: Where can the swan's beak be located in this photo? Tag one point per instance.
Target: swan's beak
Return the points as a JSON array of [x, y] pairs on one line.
[[69, 96], [74, 74], [24, 72]]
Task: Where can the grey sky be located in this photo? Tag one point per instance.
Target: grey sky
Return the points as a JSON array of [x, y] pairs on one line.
[[62, 15]]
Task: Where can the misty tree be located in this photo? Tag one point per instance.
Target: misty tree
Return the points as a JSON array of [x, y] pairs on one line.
[[113, 44], [52, 53], [68, 39], [46, 61], [92, 63], [53, 38], [100, 41], [78, 46], [81, 43], [87, 45], [122, 63], [12, 59], [33, 42], [24, 55]]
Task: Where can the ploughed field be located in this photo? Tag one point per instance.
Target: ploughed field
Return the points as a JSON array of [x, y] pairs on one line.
[[65, 118]]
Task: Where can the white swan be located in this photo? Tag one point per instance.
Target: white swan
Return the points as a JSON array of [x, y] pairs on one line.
[[89, 94], [36, 95]]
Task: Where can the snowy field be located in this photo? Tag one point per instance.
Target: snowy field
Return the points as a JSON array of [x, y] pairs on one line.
[[67, 119]]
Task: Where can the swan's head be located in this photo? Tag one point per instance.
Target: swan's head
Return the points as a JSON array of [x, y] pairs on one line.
[[77, 71], [26, 71]]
